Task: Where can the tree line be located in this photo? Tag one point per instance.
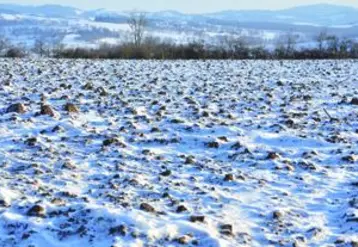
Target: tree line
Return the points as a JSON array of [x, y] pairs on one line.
[[141, 46], [329, 47]]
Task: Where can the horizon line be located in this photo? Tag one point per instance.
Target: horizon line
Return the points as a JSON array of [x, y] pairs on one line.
[[174, 10]]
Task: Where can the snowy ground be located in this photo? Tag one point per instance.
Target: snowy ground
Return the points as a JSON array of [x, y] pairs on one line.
[[215, 153]]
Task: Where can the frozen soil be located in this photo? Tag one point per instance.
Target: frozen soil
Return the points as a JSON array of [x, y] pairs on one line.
[[173, 153]]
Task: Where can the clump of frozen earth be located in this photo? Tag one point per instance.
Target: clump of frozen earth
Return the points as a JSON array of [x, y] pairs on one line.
[[173, 153]]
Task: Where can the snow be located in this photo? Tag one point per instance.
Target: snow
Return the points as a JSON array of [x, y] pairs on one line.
[[324, 26], [109, 26], [9, 17], [261, 121]]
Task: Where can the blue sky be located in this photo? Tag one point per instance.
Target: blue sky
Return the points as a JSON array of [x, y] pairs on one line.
[[193, 6]]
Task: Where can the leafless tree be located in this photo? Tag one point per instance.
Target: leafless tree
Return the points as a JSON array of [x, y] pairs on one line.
[[137, 23], [57, 49], [321, 39], [236, 46], [354, 50], [4, 44], [333, 43], [345, 46], [291, 42], [286, 45], [40, 47]]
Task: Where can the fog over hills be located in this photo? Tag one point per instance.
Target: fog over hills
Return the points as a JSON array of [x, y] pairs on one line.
[[72, 26]]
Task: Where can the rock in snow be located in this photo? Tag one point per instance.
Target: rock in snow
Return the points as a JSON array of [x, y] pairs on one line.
[[47, 110], [71, 108], [18, 108]]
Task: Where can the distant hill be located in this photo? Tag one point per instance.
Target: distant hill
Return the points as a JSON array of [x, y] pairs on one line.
[[319, 14], [50, 10], [65, 23]]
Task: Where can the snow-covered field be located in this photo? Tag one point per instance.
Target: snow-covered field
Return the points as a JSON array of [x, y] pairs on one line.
[[172, 153]]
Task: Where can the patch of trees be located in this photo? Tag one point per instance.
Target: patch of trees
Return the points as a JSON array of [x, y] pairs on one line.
[[142, 46], [152, 48], [111, 19], [9, 50]]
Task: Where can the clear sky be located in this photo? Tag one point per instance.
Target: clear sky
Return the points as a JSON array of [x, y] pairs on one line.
[[192, 6]]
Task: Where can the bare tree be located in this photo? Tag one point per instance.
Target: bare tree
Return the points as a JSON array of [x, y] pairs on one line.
[[40, 47], [354, 50], [235, 46], [345, 47], [58, 49], [4, 44], [333, 44], [321, 39], [291, 42], [286, 45], [137, 23]]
